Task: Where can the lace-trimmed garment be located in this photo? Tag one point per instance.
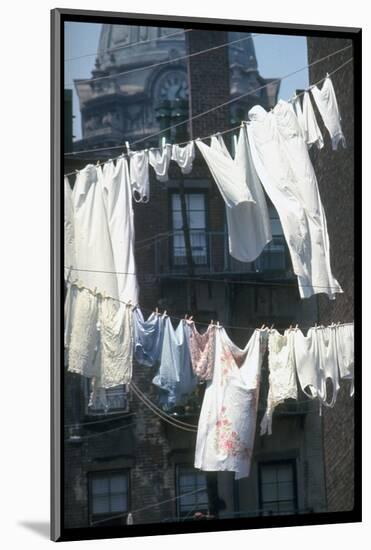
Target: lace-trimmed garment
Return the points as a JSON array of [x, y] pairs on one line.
[[82, 335], [202, 348], [282, 376], [227, 423], [345, 351], [100, 341]]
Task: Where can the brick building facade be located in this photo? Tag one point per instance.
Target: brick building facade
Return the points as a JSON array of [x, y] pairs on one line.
[[130, 460], [335, 172]]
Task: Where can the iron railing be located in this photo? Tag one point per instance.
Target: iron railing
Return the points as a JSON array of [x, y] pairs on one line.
[[210, 254]]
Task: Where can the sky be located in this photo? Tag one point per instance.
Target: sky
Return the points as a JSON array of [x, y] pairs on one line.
[[277, 55]]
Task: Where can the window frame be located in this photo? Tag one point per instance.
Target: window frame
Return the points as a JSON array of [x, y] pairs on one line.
[[188, 191], [292, 463], [98, 517], [177, 472], [101, 412]]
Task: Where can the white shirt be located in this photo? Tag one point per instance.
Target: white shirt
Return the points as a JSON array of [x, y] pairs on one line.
[[246, 209], [329, 110]]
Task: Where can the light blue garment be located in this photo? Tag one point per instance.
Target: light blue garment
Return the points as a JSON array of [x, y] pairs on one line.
[[175, 378], [148, 336]]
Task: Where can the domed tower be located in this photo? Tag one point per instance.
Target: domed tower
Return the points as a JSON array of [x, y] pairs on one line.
[[121, 101]]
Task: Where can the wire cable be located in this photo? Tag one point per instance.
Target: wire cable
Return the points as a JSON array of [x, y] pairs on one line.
[[186, 424], [199, 322], [212, 109], [206, 279], [163, 416], [99, 434], [110, 50], [166, 62], [116, 516]]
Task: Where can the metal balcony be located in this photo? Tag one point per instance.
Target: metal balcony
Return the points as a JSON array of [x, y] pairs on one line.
[[210, 255]]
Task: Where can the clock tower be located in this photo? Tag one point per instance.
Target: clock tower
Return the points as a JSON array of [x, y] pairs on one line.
[[138, 71]]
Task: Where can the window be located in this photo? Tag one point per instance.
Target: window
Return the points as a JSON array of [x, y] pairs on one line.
[[196, 216], [110, 400], [190, 480], [274, 256], [108, 497], [277, 487]]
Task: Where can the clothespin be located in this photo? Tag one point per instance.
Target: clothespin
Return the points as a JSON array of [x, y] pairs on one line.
[[263, 325], [212, 322], [127, 145], [290, 327], [327, 75], [315, 325], [165, 313], [156, 310], [217, 324], [163, 142], [296, 327]]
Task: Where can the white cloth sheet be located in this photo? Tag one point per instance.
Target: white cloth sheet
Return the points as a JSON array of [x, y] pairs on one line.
[[282, 162], [115, 182]]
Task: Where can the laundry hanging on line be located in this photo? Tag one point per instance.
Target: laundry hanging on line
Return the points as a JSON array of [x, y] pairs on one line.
[[175, 379], [247, 215], [282, 375], [326, 102], [311, 132], [227, 422], [284, 167], [100, 226]]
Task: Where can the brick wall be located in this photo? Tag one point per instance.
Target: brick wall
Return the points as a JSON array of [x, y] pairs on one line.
[[335, 173]]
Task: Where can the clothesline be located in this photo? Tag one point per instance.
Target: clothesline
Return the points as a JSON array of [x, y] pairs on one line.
[[89, 436], [251, 92], [205, 279], [131, 45], [116, 516], [167, 61], [253, 283]]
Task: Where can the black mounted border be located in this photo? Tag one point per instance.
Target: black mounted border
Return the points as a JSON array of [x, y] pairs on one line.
[[58, 17]]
